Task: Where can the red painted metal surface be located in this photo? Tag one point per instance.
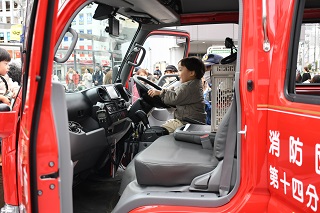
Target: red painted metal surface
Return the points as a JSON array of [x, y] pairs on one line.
[[9, 153], [223, 17], [266, 113], [253, 194], [47, 148]]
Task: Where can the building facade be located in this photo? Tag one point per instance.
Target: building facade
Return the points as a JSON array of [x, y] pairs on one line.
[[11, 19]]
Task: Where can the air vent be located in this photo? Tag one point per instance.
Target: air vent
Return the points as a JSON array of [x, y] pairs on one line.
[[75, 127]]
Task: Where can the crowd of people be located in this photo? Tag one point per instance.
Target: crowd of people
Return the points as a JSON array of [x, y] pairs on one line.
[[10, 77], [306, 76], [10, 80], [77, 82]]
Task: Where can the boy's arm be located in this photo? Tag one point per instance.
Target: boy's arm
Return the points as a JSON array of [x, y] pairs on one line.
[[4, 100], [179, 96], [175, 97]]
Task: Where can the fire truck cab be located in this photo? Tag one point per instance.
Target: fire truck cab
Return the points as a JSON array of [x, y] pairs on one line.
[[90, 149]]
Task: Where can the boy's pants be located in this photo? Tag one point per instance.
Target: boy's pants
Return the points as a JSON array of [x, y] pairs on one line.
[[172, 124]]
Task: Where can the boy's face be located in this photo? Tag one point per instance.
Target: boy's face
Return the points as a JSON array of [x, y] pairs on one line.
[[185, 74], [4, 67]]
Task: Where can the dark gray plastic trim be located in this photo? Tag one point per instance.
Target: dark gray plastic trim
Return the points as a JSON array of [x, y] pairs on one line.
[[59, 110]]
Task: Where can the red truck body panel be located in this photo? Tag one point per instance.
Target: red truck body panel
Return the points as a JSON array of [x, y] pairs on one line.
[[280, 152]]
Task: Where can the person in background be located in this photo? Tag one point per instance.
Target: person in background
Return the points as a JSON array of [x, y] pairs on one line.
[[207, 98], [8, 88], [157, 73], [170, 69], [87, 78], [71, 86], [97, 77], [55, 78], [315, 79], [188, 97], [306, 76], [135, 93], [81, 86], [69, 75], [151, 78], [15, 71], [75, 78], [108, 77], [298, 77], [209, 60]]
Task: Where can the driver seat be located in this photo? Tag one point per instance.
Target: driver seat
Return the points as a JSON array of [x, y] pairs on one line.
[[168, 162]]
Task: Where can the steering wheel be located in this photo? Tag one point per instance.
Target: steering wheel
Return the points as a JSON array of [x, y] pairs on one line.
[[143, 88]]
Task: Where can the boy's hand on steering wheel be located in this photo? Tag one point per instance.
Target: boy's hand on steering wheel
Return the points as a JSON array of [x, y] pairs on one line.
[[153, 92]]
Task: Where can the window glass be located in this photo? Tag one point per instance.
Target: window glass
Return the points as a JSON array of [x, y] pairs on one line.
[[89, 18], [96, 52], [303, 77], [161, 51], [81, 19], [309, 54]]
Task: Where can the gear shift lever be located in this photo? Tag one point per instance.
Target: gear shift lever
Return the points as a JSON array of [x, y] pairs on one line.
[[143, 116]]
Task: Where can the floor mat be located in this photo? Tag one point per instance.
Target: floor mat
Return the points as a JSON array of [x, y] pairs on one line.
[[96, 194]]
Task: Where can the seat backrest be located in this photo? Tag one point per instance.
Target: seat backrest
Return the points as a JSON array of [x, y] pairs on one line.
[[221, 136]]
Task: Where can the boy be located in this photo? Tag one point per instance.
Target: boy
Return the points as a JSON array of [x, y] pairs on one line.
[[188, 97], [8, 88]]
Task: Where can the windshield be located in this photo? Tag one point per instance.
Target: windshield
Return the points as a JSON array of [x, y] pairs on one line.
[[96, 52]]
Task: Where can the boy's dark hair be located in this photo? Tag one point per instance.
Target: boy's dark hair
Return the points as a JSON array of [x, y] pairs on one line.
[[4, 55], [194, 63]]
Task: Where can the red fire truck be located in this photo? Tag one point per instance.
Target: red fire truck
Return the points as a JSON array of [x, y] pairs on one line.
[[94, 151]]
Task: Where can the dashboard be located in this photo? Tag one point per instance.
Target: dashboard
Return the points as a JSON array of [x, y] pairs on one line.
[[98, 122], [96, 103]]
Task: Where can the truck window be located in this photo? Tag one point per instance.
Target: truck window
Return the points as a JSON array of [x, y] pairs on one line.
[[304, 72], [163, 50], [96, 52]]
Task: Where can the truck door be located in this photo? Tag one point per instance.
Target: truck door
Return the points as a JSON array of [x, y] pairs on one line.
[[31, 186], [293, 113]]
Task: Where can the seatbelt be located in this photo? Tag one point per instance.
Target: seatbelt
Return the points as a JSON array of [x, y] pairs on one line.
[[5, 82], [227, 165]]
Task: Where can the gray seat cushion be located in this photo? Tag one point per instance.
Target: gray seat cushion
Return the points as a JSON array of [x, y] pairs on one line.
[[168, 162]]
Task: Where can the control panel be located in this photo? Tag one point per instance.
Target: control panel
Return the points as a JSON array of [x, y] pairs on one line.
[[116, 110]]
